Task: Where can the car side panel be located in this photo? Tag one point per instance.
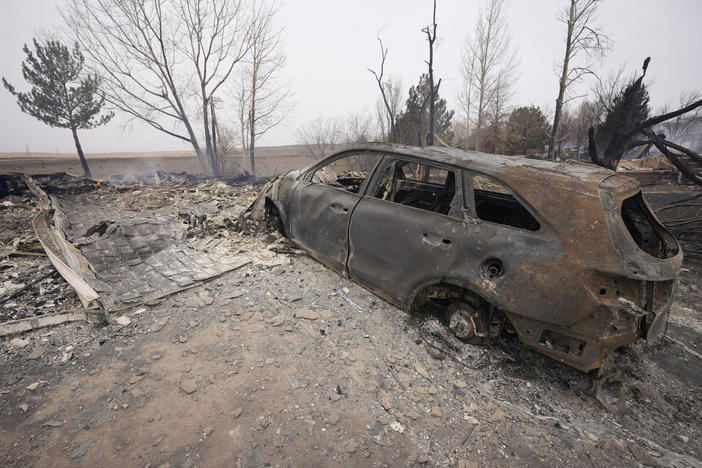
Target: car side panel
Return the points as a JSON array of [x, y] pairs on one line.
[[393, 247]]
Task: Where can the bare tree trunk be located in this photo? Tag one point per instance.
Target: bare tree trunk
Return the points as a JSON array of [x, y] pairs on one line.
[[208, 137], [489, 67], [81, 156], [582, 37], [214, 137], [431, 37], [381, 85], [267, 95], [252, 141], [562, 83]]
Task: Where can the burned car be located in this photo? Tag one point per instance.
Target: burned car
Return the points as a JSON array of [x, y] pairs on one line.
[[569, 255]]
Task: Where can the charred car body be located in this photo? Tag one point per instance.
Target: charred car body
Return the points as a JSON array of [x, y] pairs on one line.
[[570, 255]]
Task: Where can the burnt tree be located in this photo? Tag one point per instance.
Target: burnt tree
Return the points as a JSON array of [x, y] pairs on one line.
[[624, 126], [430, 31]]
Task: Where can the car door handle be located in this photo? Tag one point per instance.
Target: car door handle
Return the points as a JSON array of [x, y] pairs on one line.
[[338, 208]]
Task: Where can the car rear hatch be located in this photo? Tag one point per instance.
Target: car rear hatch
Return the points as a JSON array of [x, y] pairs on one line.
[[651, 256]]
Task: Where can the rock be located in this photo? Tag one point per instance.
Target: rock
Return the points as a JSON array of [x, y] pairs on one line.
[[299, 383], [193, 324], [269, 361], [135, 379], [236, 413], [183, 339], [206, 298], [432, 390], [36, 353], [458, 383], [24, 407], [156, 356], [18, 343], [81, 449], [67, 354], [158, 440], [397, 427], [35, 385], [208, 431], [276, 321], [194, 302], [264, 421], [436, 412], [421, 370], [123, 321], [386, 401], [685, 439], [235, 294], [160, 324], [308, 314], [470, 419], [188, 386], [53, 423]]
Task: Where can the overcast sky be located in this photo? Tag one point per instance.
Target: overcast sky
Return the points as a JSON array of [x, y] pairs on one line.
[[331, 43]]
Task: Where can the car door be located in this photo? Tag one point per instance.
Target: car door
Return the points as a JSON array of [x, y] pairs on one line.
[[407, 228], [324, 202]]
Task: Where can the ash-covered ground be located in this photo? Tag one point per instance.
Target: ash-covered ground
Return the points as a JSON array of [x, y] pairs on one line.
[[278, 361]]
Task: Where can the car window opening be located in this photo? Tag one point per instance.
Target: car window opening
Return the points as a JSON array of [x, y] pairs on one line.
[[648, 234], [495, 203], [418, 185], [347, 173]]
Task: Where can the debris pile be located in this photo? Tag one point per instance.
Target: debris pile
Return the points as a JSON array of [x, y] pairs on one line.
[[160, 239], [29, 284]]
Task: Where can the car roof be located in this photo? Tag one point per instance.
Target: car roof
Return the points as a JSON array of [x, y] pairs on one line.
[[568, 175]]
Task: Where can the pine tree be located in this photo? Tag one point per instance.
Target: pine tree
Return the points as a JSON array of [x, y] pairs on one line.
[[61, 95], [527, 131], [413, 123]]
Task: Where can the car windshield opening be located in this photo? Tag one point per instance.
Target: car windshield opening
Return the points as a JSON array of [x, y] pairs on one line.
[[347, 173]]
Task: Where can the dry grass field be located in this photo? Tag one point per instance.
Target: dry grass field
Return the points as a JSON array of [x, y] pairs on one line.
[[269, 161]]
